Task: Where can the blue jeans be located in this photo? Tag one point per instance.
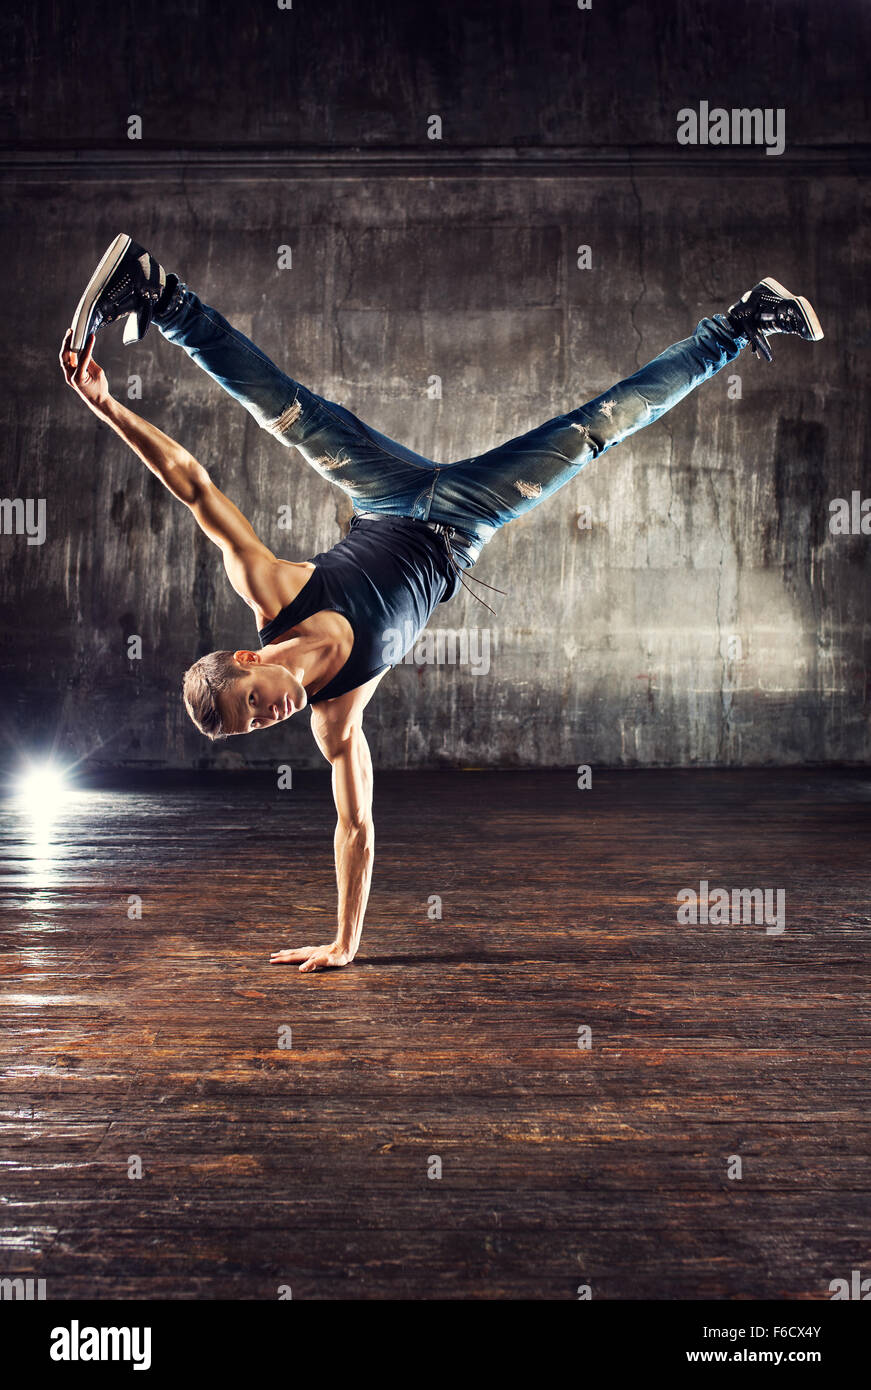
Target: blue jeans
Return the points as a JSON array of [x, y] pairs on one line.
[[474, 495]]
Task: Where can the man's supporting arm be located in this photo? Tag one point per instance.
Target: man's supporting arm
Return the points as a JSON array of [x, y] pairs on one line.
[[354, 840], [343, 744]]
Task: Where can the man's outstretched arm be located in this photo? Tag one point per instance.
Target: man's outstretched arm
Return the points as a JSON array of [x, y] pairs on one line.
[[250, 564], [348, 753]]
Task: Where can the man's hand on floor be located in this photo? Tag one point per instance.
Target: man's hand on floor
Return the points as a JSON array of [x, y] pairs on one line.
[[331, 956], [83, 374]]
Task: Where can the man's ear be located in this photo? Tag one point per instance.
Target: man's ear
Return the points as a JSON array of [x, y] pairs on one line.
[[247, 658]]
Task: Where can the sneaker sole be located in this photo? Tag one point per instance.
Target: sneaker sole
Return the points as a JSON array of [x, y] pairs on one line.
[[97, 283], [815, 328]]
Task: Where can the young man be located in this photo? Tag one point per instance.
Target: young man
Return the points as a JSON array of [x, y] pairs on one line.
[[323, 623]]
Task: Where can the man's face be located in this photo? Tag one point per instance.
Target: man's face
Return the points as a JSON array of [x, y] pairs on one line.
[[265, 695]]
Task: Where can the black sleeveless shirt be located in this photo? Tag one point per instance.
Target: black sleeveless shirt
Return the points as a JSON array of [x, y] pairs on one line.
[[386, 577]]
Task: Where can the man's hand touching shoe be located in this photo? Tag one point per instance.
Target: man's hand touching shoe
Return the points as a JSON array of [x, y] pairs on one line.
[[84, 375]]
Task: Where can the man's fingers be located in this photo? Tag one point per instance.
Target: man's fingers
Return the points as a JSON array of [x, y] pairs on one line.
[[321, 959], [65, 355], [89, 348], [68, 358], [82, 371], [312, 958]]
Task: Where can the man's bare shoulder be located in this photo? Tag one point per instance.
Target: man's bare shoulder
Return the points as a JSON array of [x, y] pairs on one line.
[[286, 579]]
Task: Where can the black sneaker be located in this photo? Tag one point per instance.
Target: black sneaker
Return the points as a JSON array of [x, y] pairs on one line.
[[769, 308], [128, 281]]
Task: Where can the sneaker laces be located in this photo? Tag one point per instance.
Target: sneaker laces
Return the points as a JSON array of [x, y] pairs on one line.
[[782, 318], [787, 318]]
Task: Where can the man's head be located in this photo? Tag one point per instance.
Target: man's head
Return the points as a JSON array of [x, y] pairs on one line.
[[239, 692]]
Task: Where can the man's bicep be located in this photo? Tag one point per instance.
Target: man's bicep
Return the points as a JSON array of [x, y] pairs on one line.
[[253, 574], [250, 565]]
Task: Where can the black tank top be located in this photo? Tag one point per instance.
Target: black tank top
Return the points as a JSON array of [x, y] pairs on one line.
[[386, 577]]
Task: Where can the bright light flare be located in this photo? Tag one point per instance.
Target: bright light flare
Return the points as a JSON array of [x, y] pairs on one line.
[[41, 791]]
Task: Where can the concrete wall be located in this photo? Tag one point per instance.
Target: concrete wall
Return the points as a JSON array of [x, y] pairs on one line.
[[347, 74], [707, 615]]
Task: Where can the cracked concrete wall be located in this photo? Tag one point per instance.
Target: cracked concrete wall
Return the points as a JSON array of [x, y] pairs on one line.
[[682, 601]]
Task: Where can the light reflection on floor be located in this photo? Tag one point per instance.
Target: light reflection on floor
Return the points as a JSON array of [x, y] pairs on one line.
[[42, 845]]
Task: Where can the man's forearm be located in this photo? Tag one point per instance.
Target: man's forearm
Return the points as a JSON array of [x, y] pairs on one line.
[[355, 853], [178, 470]]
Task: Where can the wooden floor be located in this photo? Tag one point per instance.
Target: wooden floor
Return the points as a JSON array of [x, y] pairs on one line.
[[454, 1040]]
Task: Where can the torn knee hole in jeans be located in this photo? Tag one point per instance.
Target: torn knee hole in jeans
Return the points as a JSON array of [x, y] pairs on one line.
[[528, 489], [327, 461], [607, 409], [287, 418]]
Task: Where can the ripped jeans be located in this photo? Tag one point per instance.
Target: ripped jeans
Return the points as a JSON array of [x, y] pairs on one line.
[[474, 495]]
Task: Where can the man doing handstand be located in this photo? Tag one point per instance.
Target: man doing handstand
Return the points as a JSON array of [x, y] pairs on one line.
[[417, 526]]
